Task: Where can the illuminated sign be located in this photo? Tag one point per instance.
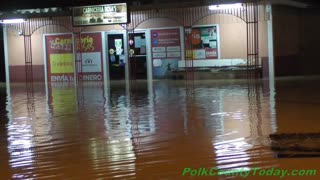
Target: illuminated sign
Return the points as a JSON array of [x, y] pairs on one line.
[[100, 14]]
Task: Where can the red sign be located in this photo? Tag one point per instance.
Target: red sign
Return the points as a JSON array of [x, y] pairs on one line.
[[60, 60], [89, 58], [195, 37], [202, 43], [166, 44], [211, 53]]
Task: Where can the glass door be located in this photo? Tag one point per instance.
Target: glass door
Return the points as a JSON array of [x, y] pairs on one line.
[[138, 55], [116, 56]]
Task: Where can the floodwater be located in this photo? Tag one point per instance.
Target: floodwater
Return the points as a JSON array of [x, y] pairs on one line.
[[152, 131]]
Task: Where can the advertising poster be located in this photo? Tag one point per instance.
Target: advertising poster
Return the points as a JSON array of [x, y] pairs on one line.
[[202, 43], [89, 56], [166, 51], [60, 60]]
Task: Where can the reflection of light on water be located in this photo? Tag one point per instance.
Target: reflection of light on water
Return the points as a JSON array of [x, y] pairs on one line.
[[20, 143], [19, 118], [118, 153], [232, 153], [118, 148], [238, 115], [115, 150]]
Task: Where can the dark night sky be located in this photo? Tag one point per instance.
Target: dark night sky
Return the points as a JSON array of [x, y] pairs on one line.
[[29, 4], [25, 4]]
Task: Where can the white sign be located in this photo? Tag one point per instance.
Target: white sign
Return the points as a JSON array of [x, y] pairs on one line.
[[159, 49], [100, 14], [91, 62], [137, 42], [157, 63], [173, 48], [199, 54], [173, 54], [159, 55]]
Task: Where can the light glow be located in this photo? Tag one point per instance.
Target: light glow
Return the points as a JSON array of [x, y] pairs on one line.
[[225, 6], [12, 21]]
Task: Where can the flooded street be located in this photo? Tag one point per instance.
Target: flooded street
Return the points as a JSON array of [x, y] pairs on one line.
[[152, 131]]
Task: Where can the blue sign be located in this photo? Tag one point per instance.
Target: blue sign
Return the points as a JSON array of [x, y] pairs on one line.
[[155, 42]]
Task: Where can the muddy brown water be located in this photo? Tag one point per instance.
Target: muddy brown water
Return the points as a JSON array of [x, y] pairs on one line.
[[152, 131]]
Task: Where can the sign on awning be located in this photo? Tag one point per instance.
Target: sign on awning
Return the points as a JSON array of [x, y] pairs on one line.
[[100, 14]]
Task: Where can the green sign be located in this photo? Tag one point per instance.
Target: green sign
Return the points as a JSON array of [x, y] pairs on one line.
[[118, 43]]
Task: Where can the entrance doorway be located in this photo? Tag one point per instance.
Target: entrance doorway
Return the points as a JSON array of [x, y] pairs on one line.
[[138, 55], [116, 56]]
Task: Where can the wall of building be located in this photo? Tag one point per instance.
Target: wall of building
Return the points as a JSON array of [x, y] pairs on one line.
[[296, 41], [17, 53], [232, 34], [287, 26], [309, 62]]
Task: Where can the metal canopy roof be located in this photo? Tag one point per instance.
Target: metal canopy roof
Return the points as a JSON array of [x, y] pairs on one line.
[[6, 5], [62, 7]]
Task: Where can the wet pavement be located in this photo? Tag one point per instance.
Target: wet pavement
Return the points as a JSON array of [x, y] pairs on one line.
[[152, 130]]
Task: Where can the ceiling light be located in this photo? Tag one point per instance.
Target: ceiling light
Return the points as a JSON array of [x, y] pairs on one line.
[[12, 21], [225, 6]]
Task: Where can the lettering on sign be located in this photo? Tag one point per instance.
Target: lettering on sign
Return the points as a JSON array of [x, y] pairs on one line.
[[86, 44], [61, 78], [61, 44], [90, 77]]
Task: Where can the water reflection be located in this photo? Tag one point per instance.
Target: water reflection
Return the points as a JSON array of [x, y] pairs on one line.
[[4, 120], [144, 131]]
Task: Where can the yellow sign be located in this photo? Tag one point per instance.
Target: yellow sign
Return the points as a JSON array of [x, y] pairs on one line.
[[61, 63], [189, 54]]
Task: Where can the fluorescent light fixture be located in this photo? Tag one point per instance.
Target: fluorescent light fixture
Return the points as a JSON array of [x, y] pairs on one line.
[[12, 21], [225, 6]]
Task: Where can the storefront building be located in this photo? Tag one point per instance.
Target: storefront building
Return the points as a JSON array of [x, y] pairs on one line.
[[114, 42]]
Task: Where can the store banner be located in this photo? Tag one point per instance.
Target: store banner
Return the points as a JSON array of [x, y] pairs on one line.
[[89, 56], [60, 60], [166, 51], [166, 43], [100, 14], [202, 43]]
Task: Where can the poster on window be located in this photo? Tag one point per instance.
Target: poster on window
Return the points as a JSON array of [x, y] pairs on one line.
[[89, 56], [59, 57], [202, 43], [166, 51]]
